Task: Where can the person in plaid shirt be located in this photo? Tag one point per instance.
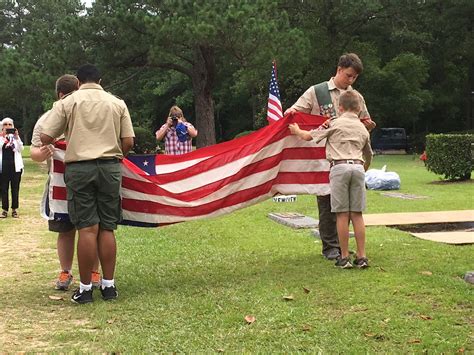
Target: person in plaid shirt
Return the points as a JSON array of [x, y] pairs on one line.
[[177, 132]]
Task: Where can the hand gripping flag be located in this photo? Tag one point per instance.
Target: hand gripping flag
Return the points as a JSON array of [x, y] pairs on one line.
[[216, 180]]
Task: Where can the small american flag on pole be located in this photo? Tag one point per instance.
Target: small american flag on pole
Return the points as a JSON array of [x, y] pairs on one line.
[[274, 111]]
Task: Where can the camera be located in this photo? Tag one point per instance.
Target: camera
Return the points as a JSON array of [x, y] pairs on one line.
[[11, 130], [174, 117]]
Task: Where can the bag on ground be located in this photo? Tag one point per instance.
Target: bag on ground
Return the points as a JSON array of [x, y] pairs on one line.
[[379, 179]]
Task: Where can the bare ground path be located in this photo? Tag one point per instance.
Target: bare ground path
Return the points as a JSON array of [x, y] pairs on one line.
[[28, 264]]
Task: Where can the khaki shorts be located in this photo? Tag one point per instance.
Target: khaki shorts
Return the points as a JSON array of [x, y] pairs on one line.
[[93, 193], [60, 226], [347, 183]]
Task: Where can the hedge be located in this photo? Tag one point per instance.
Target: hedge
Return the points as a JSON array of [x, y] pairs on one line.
[[145, 141], [450, 155]]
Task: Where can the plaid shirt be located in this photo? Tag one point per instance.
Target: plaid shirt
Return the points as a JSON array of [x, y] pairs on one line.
[[172, 144]]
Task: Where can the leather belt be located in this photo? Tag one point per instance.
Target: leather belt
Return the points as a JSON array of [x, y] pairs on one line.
[[346, 161]]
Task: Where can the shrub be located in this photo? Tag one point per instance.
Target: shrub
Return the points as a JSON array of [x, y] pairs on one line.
[[450, 155], [244, 133], [145, 141]]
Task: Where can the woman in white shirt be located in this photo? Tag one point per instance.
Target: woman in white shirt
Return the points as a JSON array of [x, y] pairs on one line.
[[11, 165]]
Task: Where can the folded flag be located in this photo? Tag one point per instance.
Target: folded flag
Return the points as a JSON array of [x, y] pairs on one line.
[[215, 180]]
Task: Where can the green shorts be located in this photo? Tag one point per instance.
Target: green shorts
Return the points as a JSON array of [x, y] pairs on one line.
[[93, 193], [60, 226]]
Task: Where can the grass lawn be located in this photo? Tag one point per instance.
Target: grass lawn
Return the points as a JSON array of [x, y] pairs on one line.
[[187, 287]]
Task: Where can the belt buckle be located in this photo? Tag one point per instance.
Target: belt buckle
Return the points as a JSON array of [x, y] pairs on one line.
[[350, 161]]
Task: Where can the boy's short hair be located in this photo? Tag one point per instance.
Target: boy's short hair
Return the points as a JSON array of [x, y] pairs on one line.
[[351, 60], [66, 84], [349, 101], [88, 73]]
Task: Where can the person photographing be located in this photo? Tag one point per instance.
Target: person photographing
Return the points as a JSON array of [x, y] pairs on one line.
[[177, 133]]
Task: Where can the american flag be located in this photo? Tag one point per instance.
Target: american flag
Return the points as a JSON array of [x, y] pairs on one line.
[[216, 180], [274, 110]]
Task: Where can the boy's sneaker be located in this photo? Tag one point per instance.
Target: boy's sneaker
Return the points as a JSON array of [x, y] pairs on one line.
[[64, 280], [109, 293], [95, 279], [81, 297], [361, 263], [344, 263]]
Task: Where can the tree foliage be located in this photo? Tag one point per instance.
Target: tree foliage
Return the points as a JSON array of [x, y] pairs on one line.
[[213, 58]]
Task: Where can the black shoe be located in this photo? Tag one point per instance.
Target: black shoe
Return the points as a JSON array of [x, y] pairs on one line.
[[332, 254], [109, 293], [344, 263], [361, 263], [81, 297]]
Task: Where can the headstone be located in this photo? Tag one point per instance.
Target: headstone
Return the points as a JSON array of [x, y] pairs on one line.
[[284, 198], [403, 196], [294, 220], [469, 277]]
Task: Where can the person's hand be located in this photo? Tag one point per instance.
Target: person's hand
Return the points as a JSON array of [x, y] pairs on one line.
[[368, 123], [294, 128], [16, 134], [45, 152], [290, 110], [169, 121]]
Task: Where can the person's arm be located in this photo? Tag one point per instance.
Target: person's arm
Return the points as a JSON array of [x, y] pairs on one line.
[[40, 154], [191, 130], [161, 133], [18, 142], [367, 153], [364, 115], [45, 139], [297, 131], [304, 103], [127, 144]]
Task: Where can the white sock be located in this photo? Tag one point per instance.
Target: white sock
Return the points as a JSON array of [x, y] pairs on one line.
[[107, 283], [83, 287]]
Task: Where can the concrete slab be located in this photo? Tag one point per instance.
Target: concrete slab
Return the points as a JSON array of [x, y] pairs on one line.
[[447, 237], [403, 196], [294, 220], [390, 219]]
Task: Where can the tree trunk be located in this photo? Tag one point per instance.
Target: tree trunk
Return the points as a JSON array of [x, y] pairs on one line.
[[203, 74]]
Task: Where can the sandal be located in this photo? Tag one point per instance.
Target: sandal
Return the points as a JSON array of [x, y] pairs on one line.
[[15, 214], [4, 214]]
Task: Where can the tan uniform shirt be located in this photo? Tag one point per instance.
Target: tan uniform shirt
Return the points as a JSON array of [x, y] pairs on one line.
[[308, 102], [347, 138], [93, 121]]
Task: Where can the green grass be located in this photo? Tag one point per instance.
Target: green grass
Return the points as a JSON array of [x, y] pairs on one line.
[[187, 287]]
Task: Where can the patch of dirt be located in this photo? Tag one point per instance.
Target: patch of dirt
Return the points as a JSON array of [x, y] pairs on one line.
[[451, 182], [436, 227]]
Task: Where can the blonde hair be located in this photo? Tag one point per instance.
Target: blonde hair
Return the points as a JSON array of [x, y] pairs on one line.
[[176, 111], [349, 101]]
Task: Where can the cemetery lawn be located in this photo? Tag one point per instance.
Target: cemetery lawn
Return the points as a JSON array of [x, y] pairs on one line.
[[187, 287]]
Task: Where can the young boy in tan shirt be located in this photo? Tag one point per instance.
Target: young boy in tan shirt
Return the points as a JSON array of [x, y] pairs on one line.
[[349, 153]]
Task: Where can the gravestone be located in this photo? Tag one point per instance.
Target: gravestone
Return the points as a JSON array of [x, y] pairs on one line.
[[294, 220], [284, 198]]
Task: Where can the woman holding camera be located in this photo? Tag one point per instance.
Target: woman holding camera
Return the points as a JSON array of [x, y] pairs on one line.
[[11, 165], [177, 132]]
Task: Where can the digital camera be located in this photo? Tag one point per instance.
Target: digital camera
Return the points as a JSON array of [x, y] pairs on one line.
[[11, 130]]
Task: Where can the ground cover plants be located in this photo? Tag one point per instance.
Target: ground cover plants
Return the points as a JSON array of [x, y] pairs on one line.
[[188, 287]]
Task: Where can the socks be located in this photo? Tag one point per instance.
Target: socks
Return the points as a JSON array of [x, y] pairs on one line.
[[83, 287], [107, 283]]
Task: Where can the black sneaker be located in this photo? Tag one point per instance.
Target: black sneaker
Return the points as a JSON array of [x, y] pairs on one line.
[[81, 297], [344, 263], [332, 254], [361, 263], [109, 293]]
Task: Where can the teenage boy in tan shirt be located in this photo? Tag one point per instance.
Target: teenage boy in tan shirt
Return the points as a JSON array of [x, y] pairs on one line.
[[349, 153]]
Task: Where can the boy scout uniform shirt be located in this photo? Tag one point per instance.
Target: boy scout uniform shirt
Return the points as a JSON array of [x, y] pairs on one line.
[[308, 102], [347, 139], [93, 121]]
